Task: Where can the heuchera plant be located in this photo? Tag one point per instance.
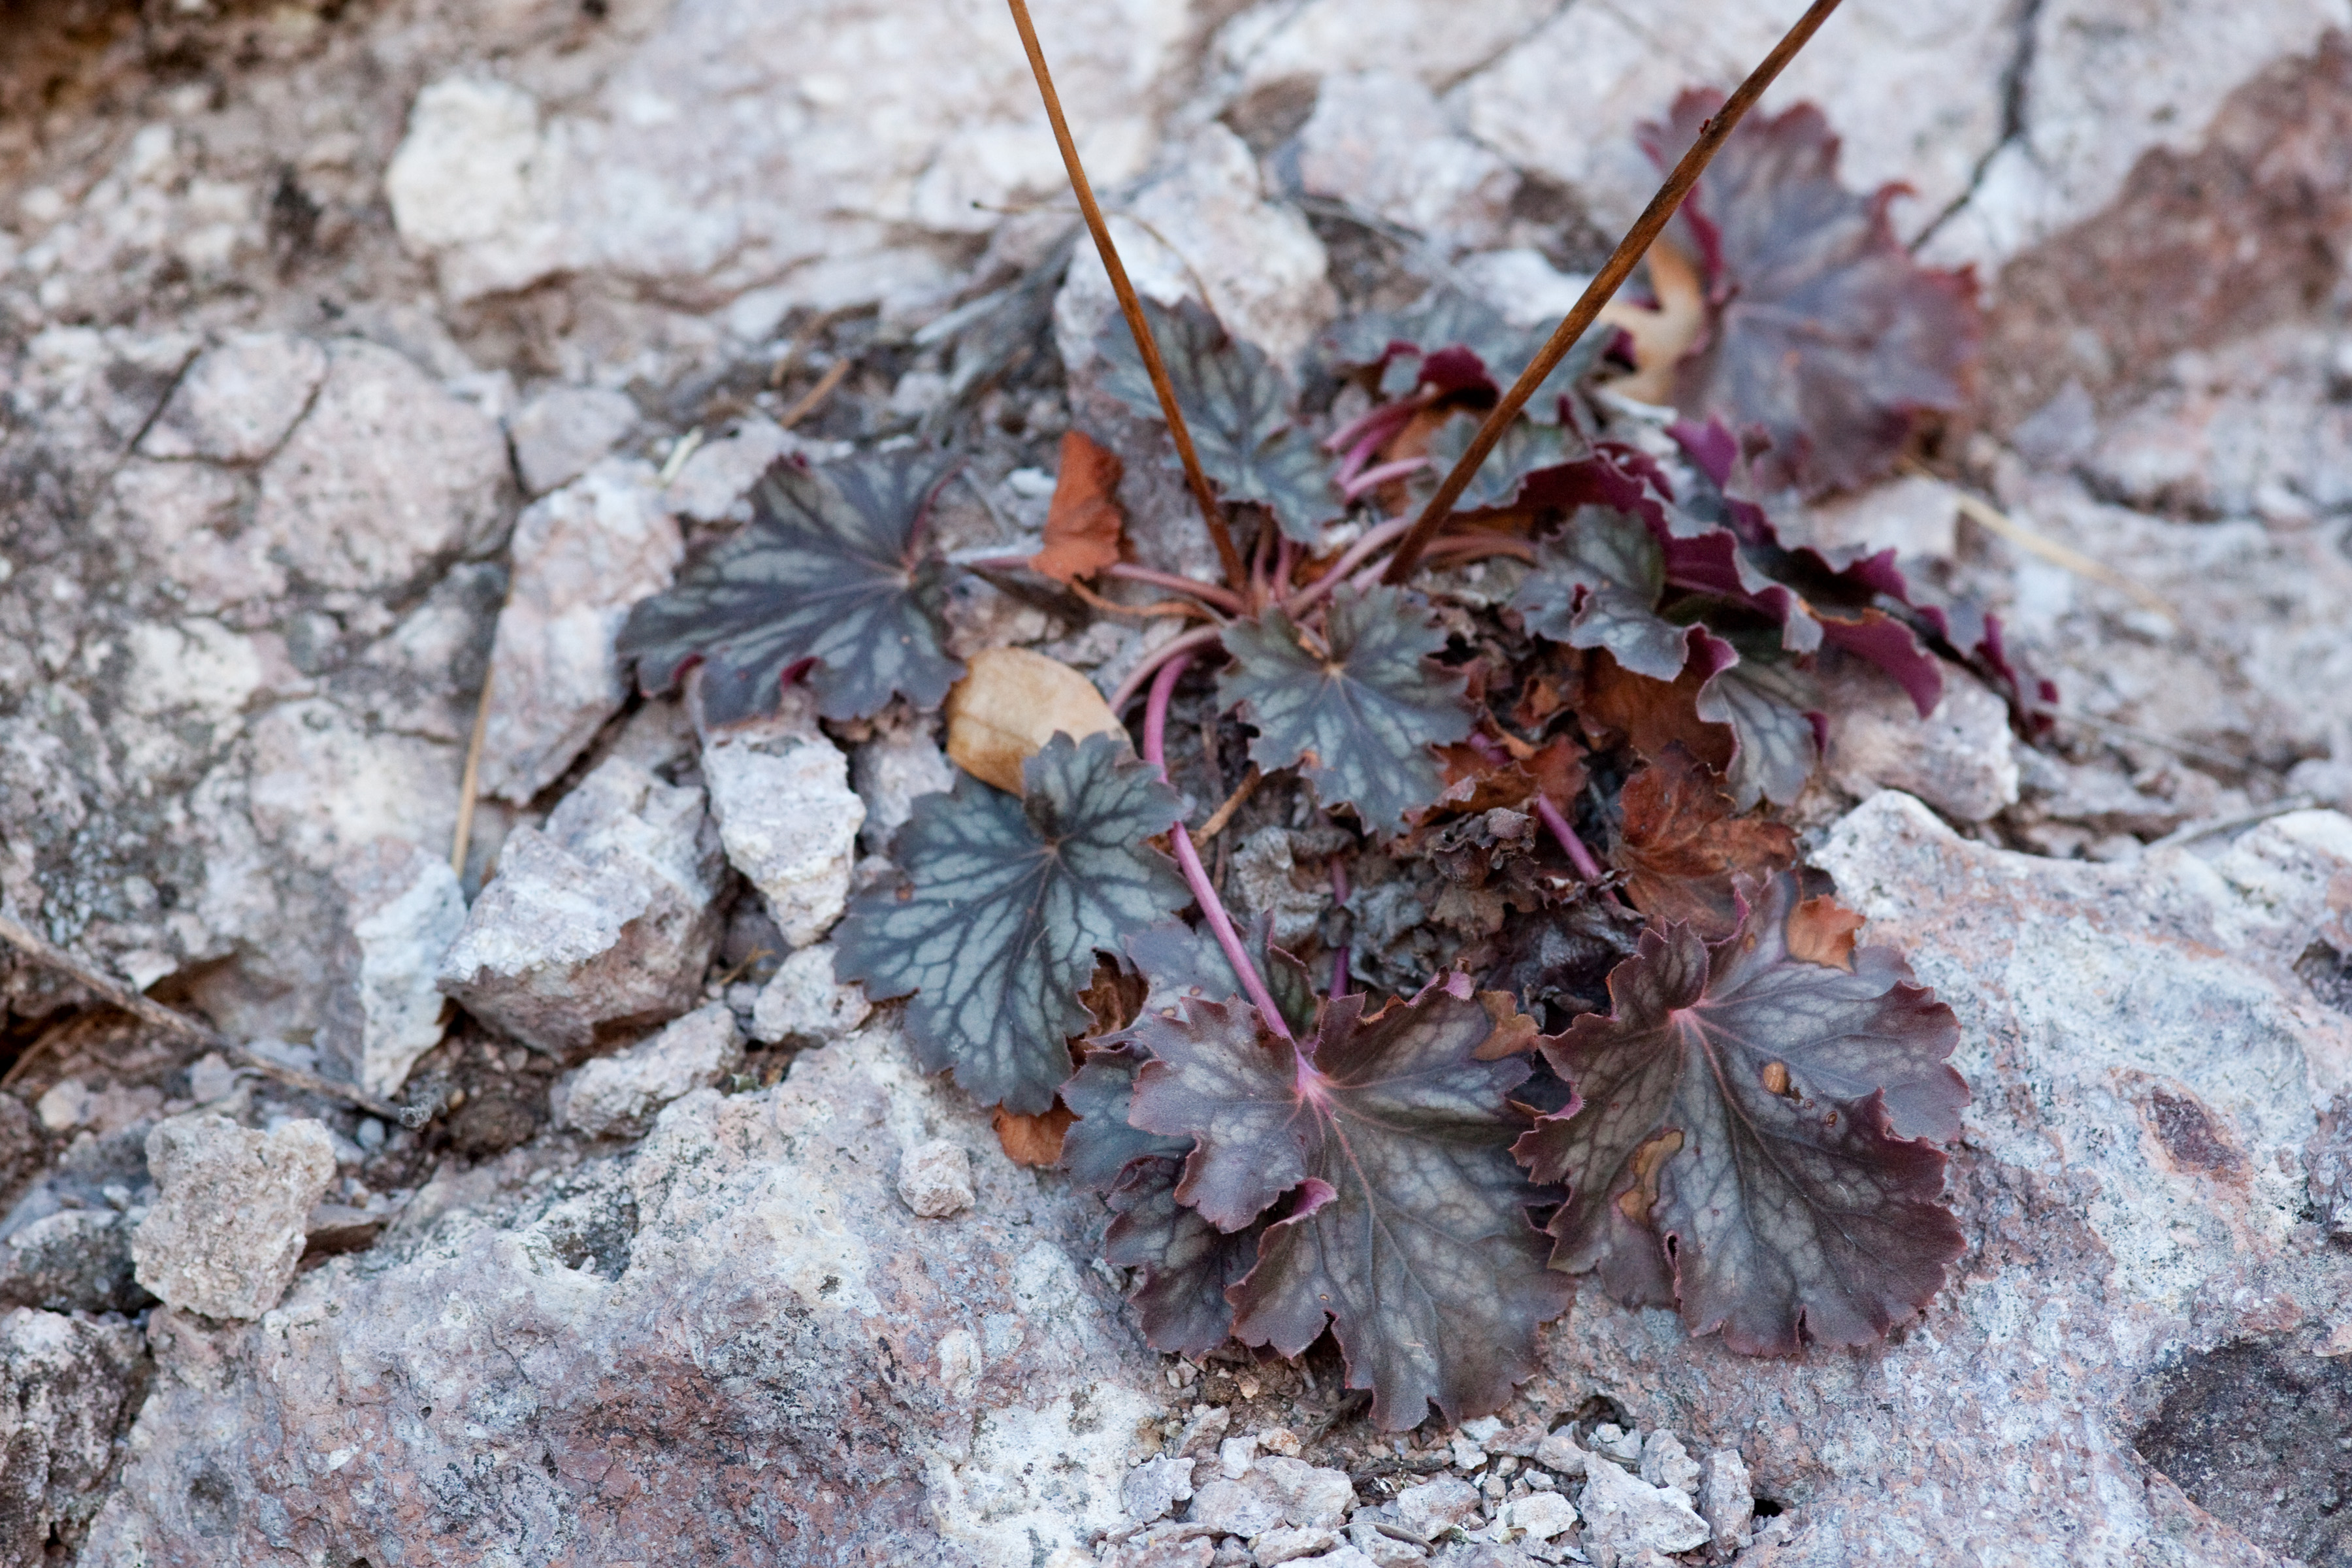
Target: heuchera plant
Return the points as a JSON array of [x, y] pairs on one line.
[[1573, 1009]]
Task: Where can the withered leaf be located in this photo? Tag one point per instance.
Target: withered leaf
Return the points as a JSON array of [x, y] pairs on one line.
[[1754, 1141], [1083, 524], [1825, 331], [1235, 407], [1034, 1139], [829, 572], [1360, 720], [1009, 899], [1681, 846], [1406, 1230]]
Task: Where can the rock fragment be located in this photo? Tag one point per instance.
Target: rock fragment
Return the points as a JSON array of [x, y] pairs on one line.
[[1436, 1506], [1666, 1463], [560, 432], [1558, 1453], [600, 925], [66, 1382], [781, 793], [1625, 1516], [901, 762], [935, 1179], [1726, 1497], [238, 400], [1379, 140], [1960, 759], [802, 1000], [583, 556], [1154, 1488], [229, 1218], [404, 909], [1287, 1543], [617, 1096], [1540, 1515]]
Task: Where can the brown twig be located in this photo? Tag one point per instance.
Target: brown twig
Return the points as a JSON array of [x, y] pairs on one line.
[[815, 395], [469, 783], [1605, 283], [1224, 814], [1129, 305], [147, 1009]]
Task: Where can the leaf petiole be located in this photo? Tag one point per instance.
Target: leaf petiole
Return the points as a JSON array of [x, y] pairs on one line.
[[1188, 859]]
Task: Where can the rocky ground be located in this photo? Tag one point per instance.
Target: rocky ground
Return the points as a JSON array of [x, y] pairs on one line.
[[353, 349]]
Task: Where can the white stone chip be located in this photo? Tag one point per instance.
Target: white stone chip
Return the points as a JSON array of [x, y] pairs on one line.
[[935, 1179], [781, 792], [1626, 1515], [617, 1096], [230, 1214], [802, 1000]]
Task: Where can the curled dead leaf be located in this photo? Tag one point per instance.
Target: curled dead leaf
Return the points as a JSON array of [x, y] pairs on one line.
[[1013, 702], [1034, 1139], [1662, 334], [1083, 527], [1820, 931]]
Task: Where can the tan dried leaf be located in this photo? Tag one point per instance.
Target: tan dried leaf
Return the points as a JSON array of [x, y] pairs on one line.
[[1013, 702]]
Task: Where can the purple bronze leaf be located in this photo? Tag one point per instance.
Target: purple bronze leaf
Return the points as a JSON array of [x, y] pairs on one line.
[[1359, 720], [1411, 1239], [1101, 1143], [1825, 333], [1184, 1265], [1596, 584], [1774, 711], [1753, 1137]]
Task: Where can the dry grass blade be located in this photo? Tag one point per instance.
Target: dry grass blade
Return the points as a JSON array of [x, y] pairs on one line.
[[469, 784], [1129, 304], [1985, 513], [1605, 283], [1224, 814], [815, 395], [140, 1006]]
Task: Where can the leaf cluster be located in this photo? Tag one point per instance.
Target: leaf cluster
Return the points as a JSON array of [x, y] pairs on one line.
[[1535, 987]]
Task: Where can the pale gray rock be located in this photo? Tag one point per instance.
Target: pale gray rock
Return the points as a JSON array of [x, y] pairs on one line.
[[1154, 1488], [228, 1221], [1540, 1515], [1379, 141], [66, 1385], [1270, 47], [673, 172], [617, 1096], [1958, 759], [582, 557], [404, 909], [1558, 1453], [1242, 1506], [1211, 226], [1914, 516], [935, 1179], [1288, 1544], [560, 432], [1726, 1497], [1436, 1506], [238, 400], [191, 522], [802, 1001], [715, 481], [1385, 1549], [1624, 1515], [1666, 1463], [599, 926], [780, 791], [901, 763], [700, 1292], [387, 475]]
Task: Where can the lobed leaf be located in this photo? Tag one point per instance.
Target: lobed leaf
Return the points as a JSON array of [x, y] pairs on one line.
[[829, 571], [1454, 343], [1235, 407], [1521, 457], [1774, 711], [1008, 901], [1186, 1268], [1596, 584], [1825, 333], [1360, 720], [1406, 1231], [1101, 1143], [1181, 960], [1752, 1143], [1681, 846]]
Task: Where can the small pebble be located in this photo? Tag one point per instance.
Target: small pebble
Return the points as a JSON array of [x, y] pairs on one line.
[[1236, 1455], [935, 1179], [1279, 1440]]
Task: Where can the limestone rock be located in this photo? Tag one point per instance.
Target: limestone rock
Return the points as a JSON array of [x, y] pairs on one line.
[[228, 1225], [560, 432], [1290, 1544], [1435, 1506], [1379, 140], [405, 909], [693, 1300], [802, 1000], [75, 1260], [1154, 1488], [1726, 1497], [239, 400], [1540, 1515], [617, 1096], [388, 474], [64, 1385], [781, 793], [600, 925], [935, 1179], [1271, 47], [1272, 1492], [901, 762], [1625, 1516], [1959, 758], [1666, 1463], [581, 556]]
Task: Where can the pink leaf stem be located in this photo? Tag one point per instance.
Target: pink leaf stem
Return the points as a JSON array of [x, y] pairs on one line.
[[1374, 477], [1373, 539], [1578, 855], [1209, 592], [1199, 636], [1188, 859]]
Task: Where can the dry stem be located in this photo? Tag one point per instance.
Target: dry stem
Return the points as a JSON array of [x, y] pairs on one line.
[[1129, 304]]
